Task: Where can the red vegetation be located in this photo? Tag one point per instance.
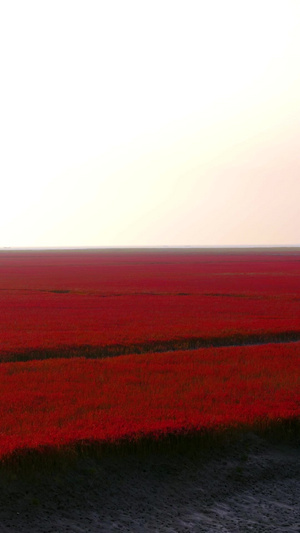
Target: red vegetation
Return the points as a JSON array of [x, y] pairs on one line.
[[59, 401], [64, 299], [57, 301]]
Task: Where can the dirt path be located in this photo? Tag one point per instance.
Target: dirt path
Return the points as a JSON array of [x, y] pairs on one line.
[[249, 485], [101, 352]]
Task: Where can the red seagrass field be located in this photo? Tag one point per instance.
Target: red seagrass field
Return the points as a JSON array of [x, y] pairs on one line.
[[107, 345]]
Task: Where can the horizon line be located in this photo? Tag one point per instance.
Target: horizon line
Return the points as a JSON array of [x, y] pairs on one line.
[[153, 247]]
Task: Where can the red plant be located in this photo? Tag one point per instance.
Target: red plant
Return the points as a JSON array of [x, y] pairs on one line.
[[59, 401], [52, 303], [65, 299]]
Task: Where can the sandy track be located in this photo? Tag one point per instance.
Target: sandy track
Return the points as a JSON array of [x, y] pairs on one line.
[[249, 485]]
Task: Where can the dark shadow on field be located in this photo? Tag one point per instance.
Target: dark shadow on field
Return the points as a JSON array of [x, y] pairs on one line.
[[237, 481], [101, 352]]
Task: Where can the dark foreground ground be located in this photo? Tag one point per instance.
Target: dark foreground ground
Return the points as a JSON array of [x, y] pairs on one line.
[[249, 484]]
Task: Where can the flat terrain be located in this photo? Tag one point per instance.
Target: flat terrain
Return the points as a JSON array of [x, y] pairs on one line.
[[250, 485], [56, 304], [97, 346]]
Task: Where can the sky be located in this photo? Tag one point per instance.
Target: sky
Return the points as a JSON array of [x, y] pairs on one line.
[[149, 123]]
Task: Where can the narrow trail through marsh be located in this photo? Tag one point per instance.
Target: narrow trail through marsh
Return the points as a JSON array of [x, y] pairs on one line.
[[153, 346]]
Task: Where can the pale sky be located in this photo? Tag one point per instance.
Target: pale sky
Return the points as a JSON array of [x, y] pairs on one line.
[[149, 123]]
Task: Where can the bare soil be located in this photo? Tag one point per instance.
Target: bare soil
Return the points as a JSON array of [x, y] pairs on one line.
[[249, 484]]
